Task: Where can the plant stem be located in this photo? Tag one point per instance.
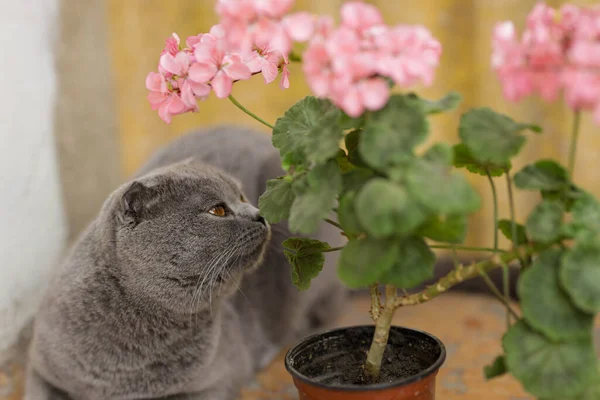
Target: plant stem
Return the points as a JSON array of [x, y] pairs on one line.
[[463, 273], [574, 136], [466, 248], [244, 109], [497, 293], [382, 333], [511, 205], [375, 302], [505, 272], [332, 222], [333, 249]]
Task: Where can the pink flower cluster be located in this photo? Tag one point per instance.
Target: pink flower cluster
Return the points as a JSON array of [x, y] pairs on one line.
[[190, 73], [253, 37], [350, 64], [558, 51]]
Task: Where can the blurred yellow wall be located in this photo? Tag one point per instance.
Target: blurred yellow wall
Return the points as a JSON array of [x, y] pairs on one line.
[[138, 29]]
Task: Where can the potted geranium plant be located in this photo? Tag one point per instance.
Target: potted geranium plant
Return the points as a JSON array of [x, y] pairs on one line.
[[356, 149]]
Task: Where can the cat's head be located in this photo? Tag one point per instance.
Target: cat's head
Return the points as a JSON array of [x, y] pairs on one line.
[[185, 234]]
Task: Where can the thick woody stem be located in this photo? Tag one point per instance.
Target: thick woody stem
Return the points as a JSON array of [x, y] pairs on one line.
[[375, 302], [382, 332], [462, 273]]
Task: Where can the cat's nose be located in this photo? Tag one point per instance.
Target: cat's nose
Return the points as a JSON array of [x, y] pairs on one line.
[[252, 213]]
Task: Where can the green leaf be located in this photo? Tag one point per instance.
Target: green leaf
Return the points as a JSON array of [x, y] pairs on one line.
[[306, 258], [305, 118], [547, 368], [351, 141], [440, 189], [354, 180], [347, 214], [439, 153], [543, 175], [384, 209], [315, 201], [276, 201], [464, 159], [586, 217], [323, 141], [447, 103], [545, 222], [592, 392], [445, 228], [364, 261], [413, 265], [495, 369], [347, 122], [566, 195], [391, 134], [491, 137], [505, 227], [546, 307], [342, 161], [580, 275]]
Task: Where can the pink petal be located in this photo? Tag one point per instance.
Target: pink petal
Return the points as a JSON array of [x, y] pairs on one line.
[[163, 111], [300, 26], [183, 60], [278, 39], [156, 99], [375, 93], [359, 15], [170, 64], [269, 71], [201, 90], [350, 103], [285, 78], [156, 82], [176, 105], [191, 41], [222, 84], [187, 96], [205, 52], [254, 62], [237, 70], [172, 45], [202, 72]]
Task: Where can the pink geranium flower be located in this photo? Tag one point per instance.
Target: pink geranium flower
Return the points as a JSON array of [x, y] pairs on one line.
[[263, 33], [214, 65], [185, 75], [349, 64], [559, 50]]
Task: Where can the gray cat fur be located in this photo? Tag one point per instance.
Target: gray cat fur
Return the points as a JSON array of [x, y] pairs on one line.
[[120, 320]]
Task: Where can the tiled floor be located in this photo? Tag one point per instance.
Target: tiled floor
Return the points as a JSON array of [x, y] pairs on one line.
[[470, 327]]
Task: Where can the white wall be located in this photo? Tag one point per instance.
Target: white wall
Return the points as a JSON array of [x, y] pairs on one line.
[[32, 228]]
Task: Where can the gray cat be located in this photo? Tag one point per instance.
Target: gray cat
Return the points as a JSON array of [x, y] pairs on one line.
[[178, 289]]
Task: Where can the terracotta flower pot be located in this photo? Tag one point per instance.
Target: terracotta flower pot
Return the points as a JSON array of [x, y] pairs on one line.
[[327, 366]]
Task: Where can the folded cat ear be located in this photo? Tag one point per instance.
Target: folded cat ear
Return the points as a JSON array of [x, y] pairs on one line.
[[134, 203]]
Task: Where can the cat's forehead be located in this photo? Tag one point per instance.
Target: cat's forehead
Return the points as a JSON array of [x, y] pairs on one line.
[[192, 178]]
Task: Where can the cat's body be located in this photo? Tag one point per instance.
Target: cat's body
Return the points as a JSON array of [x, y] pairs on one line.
[[121, 321]]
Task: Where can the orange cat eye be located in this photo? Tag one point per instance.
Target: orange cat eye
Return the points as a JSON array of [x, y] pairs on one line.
[[219, 211]]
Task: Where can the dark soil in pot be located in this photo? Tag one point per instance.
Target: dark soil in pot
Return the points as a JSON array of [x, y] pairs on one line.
[[335, 358]]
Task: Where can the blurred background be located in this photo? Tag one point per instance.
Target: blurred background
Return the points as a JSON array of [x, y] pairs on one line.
[[75, 122]]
